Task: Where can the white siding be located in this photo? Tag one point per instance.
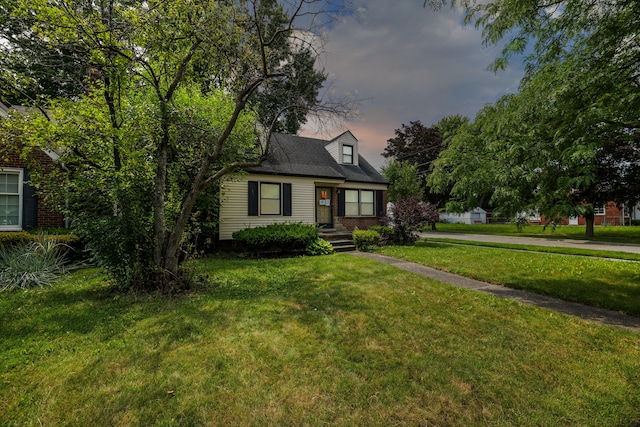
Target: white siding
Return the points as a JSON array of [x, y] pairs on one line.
[[476, 216], [334, 149], [347, 138], [363, 186], [234, 201]]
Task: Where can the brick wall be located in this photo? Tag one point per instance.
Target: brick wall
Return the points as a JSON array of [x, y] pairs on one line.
[[612, 216], [362, 222], [45, 217]]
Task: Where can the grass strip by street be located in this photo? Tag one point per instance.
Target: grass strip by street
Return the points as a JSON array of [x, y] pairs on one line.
[[547, 249], [616, 234], [336, 340], [602, 283]]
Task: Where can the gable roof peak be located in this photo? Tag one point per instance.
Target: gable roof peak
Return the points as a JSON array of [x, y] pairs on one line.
[[341, 135]]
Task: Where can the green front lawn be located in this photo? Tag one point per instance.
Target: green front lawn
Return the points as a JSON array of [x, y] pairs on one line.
[[607, 283], [548, 249], [332, 340], [619, 234]]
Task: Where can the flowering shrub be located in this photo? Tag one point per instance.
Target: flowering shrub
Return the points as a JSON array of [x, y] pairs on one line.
[[409, 215]]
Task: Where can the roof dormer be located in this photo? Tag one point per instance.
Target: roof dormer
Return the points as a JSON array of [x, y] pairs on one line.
[[344, 149]]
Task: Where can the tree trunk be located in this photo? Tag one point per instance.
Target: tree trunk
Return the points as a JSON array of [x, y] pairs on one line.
[[159, 222], [589, 220]]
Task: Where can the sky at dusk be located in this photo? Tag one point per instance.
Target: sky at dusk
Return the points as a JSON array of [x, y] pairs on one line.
[[406, 63]]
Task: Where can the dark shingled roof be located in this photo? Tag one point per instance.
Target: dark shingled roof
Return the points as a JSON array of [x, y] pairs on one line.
[[301, 156]]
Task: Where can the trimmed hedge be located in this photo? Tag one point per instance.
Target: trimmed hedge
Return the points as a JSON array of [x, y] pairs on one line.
[[366, 239], [285, 238], [12, 237], [16, 238], [387, 234]]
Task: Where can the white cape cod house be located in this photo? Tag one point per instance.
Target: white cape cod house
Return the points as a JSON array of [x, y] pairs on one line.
[[306, 180]]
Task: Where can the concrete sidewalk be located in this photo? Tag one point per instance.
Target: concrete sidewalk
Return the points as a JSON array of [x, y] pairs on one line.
[[593, 314], [538, 241]]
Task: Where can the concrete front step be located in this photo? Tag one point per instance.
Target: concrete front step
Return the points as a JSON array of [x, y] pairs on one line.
[[341, 241], [335, 235], [343, 246]]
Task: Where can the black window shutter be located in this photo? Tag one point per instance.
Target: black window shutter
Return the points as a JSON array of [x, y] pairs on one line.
[[340, 202], [379, 203], [253, 199], [29, 204], [286, 200]]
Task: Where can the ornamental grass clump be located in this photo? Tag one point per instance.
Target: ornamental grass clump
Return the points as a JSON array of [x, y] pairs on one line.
[[30, 264]]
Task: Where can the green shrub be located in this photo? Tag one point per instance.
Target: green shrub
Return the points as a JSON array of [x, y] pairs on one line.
[[520, 222], [31, 263], [75, 250], [365, 239], [283, 238], [319, 247], [8, 238], [635, 222], [386, 234]]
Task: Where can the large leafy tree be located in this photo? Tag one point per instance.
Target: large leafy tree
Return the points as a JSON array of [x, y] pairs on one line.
[[420, 146], [571, 132], [171, 106], [404, 180], [415, 143], [527, 151]]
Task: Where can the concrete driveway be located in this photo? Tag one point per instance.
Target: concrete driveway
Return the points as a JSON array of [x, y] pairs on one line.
[[538, 241]]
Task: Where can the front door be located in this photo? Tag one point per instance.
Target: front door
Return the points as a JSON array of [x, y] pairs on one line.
[[324, 208]]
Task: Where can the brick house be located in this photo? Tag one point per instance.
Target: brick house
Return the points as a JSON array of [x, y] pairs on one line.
[[306, 180], [21, 208], [607, 214]]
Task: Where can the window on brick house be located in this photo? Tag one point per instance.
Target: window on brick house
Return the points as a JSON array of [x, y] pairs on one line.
[[10, 199], [367, 203], [359, 203], [599, 210]]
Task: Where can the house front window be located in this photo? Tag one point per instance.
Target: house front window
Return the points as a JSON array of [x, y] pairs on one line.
[[10, 199], [599, 210], [269, 199], [366, 203], [347, 154], [359, 203], [351, 202]]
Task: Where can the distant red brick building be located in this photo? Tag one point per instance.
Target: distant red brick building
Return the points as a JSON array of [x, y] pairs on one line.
[[608, 214]]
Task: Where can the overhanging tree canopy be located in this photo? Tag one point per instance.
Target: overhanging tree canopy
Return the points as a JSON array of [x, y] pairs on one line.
[[572, 130], [172, 105]]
